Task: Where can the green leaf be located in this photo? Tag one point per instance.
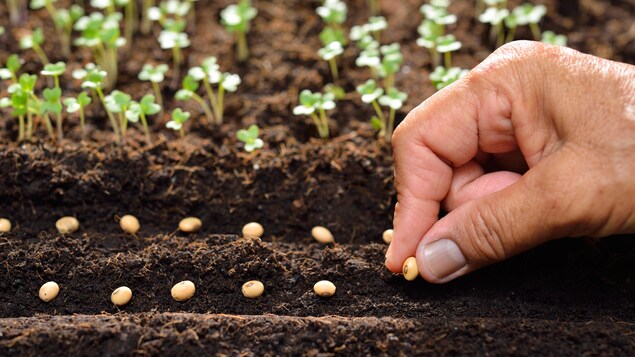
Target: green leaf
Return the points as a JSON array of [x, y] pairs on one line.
[[27, 82], [148, 106], [180, 116], [38, 36], [84, 99], [376, 123], [14, 63], [190, 83], [54, 69]]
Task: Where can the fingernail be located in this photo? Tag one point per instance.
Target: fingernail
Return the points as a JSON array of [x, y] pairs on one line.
[[443, 257]]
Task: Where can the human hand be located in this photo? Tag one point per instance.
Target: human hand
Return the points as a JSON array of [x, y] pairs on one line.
[[564, 119]]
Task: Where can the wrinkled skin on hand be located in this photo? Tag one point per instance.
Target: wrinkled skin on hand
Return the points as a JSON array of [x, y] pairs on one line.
[[536, 143]]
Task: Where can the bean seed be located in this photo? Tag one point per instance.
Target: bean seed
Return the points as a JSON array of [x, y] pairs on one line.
[[410, 270], [190, 224], [252, 289], [121, 296], [183, 291], [5, 225], [129, 224], [324, 288], [49, 291], [67, 224], [322, 235], [253, 229], [387, 236]]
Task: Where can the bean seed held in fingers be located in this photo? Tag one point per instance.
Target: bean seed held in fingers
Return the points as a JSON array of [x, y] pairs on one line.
[[121, 296], [49, 291], [324, 288], [387, 236], [129, 224], [67, 225], [322, 235], [410, 270], [253, 229], [252, 289], [183, 291], [190, 224], [5, 225]]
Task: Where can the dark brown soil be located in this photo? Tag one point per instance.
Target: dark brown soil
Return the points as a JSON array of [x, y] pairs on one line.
[[568, 297]]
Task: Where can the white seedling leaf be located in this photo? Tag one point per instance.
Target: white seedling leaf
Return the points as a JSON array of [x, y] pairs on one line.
[[328, 105], [493, 16], [13, 88], [5, 73], [100, 4], [173, 125], [230, 82], [197, 73], [303, 110], [231, 16], [72, 107], [5, 102], [154, 13], [256, 144]]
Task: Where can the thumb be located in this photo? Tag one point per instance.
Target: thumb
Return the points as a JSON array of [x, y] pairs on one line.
[[497, 226]]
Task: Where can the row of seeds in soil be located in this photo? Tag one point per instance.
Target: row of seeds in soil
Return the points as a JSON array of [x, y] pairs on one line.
[[185, 290]]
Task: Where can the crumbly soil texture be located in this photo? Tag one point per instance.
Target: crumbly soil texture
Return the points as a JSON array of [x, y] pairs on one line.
[[569, 297]]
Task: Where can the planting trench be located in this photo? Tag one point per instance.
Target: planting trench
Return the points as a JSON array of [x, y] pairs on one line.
[[570, 296]]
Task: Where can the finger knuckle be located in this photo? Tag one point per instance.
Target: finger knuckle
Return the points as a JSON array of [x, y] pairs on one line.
[[485, 232]]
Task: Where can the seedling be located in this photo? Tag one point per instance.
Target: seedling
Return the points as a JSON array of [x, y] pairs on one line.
[[13, 65], [370, 92], [140, 110], [236, 19], [77, 105], [118, 102], [156, 75], [250, 138], [93, 78], [52, 97], [495, 17], [173, 37], [190, 85], [373, 27], [551, 38], [179, 117], [209, 73], [315, 105], [101, 34], [394, 100], [329, 54], [390, 63], [34, 41], [333, 13], [432, 31], [443, 77], [130, 11], [63, 19], [528, 14]]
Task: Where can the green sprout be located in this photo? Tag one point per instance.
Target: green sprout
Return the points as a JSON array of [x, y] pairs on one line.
[[63, 19], [93, 78], [551, 38], [190, 85], [391, 61], [179, 117], [446, 45], [370, 92], [156, 75], [130, 13], [141, 110], [495, 17], [329, 53], [77, 105], [173, 37], [53, 102], [249, 136], [209, 73], [528, 14], [13, 65], [394, 100], [443, 77], [102, 36], [118, 102], [333, 13], [315, 105], [236, 19], [34, 41]]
